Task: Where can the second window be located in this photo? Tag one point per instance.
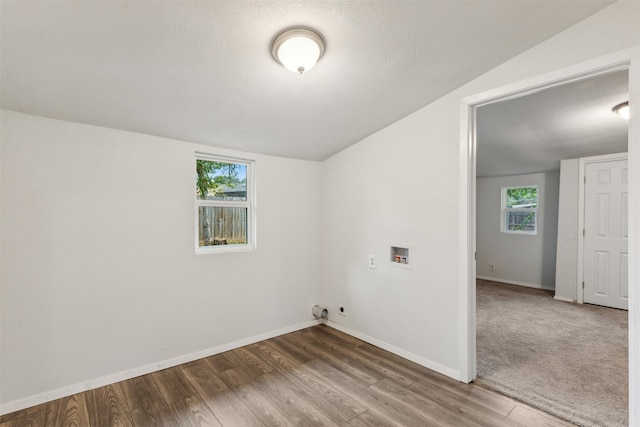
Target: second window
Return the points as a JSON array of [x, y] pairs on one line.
[[519, 210]]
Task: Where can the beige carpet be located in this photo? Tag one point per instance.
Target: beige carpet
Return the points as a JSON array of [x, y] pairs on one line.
[[567, 359]]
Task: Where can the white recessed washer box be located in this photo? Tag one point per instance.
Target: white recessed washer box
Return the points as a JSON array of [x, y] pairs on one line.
[[400, 255]]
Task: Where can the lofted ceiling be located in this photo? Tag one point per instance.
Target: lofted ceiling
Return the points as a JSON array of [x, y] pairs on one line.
[[534, 132], [201, 71]]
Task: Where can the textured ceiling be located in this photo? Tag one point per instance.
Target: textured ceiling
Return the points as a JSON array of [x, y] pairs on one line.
[[202, 71], [533, 133]]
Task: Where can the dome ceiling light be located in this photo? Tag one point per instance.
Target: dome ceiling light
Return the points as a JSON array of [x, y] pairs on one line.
[[298, 48], [622, 110]]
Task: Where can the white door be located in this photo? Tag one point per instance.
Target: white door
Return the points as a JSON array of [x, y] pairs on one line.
[[606, 234]]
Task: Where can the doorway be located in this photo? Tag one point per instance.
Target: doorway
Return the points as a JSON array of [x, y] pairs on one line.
[[529, 346], [467, 219]]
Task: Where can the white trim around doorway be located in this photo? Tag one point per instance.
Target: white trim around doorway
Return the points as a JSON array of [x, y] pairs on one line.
[[626, 59]]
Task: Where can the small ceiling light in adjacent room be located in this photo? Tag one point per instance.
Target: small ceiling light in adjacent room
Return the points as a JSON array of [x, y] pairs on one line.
[[622, 109], [297, 49]]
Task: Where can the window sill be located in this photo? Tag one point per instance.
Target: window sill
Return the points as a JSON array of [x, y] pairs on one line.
[[224, 249], [520, 233]]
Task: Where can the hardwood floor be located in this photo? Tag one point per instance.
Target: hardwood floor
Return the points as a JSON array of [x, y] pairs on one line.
[[317, 376]]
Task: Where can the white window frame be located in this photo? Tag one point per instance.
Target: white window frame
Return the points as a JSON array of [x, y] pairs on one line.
[[504, 209], [249, 204]]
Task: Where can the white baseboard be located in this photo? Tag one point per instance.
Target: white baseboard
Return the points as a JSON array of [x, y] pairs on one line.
[[17, 405], [398, 351], [515, 282], [559, 298]]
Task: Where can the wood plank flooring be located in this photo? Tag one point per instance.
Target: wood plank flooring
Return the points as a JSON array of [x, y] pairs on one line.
[[314, 377]]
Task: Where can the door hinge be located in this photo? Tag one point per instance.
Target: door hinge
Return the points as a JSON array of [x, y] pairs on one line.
[[584, 233], [582, 284]]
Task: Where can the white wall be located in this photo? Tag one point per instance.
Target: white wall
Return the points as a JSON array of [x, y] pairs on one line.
[[527, 260], [402, 185], [396, 187], [99, 275], [567, 253]]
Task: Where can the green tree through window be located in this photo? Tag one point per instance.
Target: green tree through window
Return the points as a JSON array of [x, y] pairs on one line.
[[214, 176], [522, 196]]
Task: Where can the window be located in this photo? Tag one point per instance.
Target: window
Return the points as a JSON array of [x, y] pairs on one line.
[[519, 210], [224, 204]]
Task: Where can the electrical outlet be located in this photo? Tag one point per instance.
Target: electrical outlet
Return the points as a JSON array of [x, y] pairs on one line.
[[372, 261], [492, 267], [342, 310]]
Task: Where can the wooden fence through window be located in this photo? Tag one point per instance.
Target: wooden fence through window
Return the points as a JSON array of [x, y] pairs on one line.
[[226, 225], [521, 221]]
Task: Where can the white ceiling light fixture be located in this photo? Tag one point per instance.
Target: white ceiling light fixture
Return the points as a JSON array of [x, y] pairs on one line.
[[622, 110], [298, 48]]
